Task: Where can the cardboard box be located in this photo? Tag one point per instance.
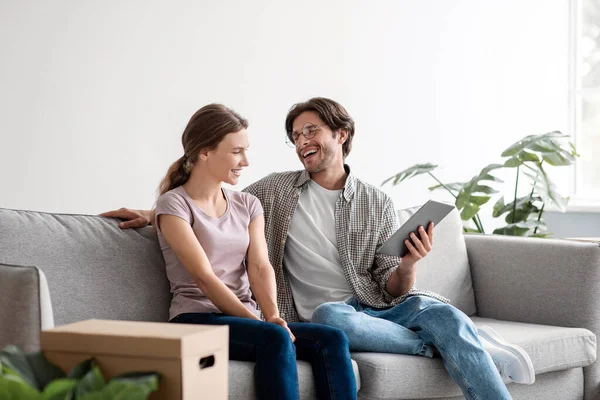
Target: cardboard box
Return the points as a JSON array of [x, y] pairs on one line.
[[192, 359]]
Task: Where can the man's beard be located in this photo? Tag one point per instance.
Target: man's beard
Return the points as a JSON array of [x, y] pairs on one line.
[[324, 162]]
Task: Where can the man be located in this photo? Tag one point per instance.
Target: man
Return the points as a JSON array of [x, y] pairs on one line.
[[323, 226]]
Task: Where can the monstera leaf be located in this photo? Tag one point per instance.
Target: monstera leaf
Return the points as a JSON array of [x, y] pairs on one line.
[[547, 145], [544, 187], [417, 169], [524, 228], [474, 194], [518, 211]]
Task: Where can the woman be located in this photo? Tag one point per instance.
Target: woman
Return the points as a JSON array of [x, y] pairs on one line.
[[215, 252]]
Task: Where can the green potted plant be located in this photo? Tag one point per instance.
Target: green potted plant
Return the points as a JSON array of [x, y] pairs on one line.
[[523, 215], [31, 376]]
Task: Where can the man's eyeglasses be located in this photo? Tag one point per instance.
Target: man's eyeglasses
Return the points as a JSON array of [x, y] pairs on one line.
[[308, 131]]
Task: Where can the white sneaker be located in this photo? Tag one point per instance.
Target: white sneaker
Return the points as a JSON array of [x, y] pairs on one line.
[[511, 360]]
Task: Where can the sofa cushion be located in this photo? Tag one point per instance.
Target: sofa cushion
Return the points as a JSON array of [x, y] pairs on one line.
[[241, 380], [446, 269], [94, 269], [25, 302], [551, 348]]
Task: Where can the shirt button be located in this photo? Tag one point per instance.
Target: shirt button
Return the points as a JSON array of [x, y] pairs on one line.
[[283, 241]]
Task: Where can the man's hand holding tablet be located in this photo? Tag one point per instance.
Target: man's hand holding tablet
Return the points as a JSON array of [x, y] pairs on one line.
[[411, 238]]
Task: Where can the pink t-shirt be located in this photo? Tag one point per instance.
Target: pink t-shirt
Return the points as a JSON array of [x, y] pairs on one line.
[[225, 241]]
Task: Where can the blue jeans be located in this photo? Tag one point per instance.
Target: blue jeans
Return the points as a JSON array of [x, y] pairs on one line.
[[415, 326], [270, 347]]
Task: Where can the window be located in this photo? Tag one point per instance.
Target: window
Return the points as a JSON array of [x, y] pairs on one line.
[[584, 97]]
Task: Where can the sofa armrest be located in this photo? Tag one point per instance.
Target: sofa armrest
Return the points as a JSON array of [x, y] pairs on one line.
[[540, 281], [543, 281], [25, 306]]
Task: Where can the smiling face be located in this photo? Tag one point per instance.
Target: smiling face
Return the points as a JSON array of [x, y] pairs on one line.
[[321, 151], [226, 161]]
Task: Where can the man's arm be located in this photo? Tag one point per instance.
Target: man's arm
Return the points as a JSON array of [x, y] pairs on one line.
[[397, 276], [404, 276], [140, 218], [133, 218]]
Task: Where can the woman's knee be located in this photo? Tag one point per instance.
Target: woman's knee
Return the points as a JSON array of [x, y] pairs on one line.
[[332, 337], [275, 336]]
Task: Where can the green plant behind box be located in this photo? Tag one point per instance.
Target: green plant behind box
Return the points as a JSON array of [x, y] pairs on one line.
[[31, 376]]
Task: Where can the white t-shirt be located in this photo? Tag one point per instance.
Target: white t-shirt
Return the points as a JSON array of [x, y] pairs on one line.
[[311, 257]]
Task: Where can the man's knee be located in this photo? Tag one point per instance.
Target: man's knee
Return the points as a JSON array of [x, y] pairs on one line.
[[332, 314], [447, 315]]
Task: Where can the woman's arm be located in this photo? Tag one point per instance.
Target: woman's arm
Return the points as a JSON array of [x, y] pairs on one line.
[[262, 275], [180, 236]]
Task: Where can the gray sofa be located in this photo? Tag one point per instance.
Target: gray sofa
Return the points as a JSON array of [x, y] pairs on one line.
[[541, 294]]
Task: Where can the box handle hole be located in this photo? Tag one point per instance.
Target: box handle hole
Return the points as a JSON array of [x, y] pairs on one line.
[[207, 362]]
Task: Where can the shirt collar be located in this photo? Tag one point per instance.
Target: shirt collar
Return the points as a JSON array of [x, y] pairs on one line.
[[349, 187]]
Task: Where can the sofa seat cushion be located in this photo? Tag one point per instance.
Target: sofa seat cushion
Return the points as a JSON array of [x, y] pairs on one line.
[[241, 380], [551, 348], [392, 376]]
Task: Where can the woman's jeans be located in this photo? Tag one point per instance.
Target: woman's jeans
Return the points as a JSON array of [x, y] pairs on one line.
[[415, 326], [270, 347]]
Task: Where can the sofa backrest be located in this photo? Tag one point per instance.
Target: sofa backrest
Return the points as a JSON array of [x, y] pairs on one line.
[[446, 268], [94, 269]]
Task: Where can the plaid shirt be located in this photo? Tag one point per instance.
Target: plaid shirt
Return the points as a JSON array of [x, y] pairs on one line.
[[364, 219]]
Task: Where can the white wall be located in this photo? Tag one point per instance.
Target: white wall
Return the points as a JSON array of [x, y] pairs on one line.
[[94, 95]]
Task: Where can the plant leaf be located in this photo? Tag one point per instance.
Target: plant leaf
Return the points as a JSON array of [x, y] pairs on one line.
[[79, 371], [147, 380], [116, 390], [132, 386], [91, 382], [499, 208], [512, 230], [468, 200], [547, 190], [542, 235], [454, 186], [468, 212], [16, 360], [521, 212], [60, 389], [44, 371], [408, 173], [516, 213], [548, 145], [531, 142], [558, 159], [12, 387], [521, 158], [488, 177], [95, 396]]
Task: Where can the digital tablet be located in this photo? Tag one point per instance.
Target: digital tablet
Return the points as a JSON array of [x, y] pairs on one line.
[[432, 211]]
